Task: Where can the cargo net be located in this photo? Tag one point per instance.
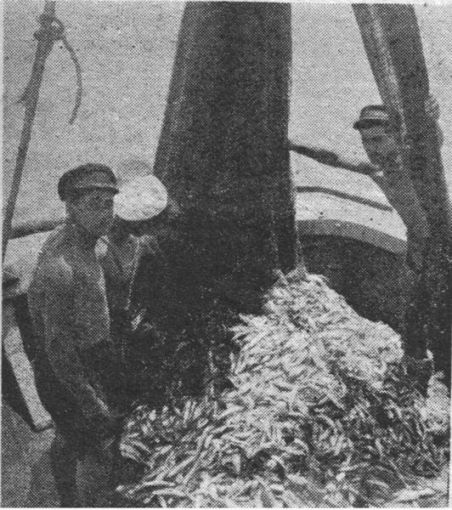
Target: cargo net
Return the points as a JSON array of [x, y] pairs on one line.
[[321, 413]]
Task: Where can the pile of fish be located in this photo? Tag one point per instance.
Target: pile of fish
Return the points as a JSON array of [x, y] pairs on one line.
[[320, 414]]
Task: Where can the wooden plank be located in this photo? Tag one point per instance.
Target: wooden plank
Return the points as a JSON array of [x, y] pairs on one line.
[[307, 171], [316, 213], [350, 230], [320, 214], [22, 369]]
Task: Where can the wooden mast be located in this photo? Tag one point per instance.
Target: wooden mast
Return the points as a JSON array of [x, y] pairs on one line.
[[223, 156], [392, 40]]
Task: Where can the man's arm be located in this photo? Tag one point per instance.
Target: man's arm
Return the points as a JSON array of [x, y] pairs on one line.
[[150, 286], [60, 342], [432, 110], [330, 158]]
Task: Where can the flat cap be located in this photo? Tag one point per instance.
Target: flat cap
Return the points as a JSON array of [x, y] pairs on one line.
[[376, 115], [85, 177], [141, 199]]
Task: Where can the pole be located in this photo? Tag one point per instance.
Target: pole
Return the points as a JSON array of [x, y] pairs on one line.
[[394, 47], [45, 43]]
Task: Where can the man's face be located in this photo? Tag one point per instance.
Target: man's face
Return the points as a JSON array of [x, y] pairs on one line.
[[381, 146], [93, 211]]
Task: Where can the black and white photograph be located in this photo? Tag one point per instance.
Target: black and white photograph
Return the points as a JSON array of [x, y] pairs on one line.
[[227, 254]]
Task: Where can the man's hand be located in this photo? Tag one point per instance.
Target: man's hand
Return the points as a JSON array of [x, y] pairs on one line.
[[105, 424], [100, 418], [432, 109], [415, 251]]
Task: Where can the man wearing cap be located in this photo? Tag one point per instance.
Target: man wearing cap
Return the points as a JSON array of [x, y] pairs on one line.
[[135, 270], [69, 308], [380, 135], [367, 272]]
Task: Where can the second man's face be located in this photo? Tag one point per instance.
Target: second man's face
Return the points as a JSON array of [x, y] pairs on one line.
[[94, 211], [381, 146]]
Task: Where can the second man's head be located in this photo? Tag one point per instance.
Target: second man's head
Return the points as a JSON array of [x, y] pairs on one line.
[[379, 130]]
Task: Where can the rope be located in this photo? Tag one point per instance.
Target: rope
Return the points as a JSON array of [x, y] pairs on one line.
[[117, 261], [56, 32], [78, 74]]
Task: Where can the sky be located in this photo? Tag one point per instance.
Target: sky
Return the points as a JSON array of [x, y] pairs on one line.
[[126, 52]]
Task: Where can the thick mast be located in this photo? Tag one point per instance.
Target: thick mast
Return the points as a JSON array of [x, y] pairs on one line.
[[393, 44], [223, 156]]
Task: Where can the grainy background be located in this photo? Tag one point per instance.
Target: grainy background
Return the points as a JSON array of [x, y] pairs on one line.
[[126, 51]]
